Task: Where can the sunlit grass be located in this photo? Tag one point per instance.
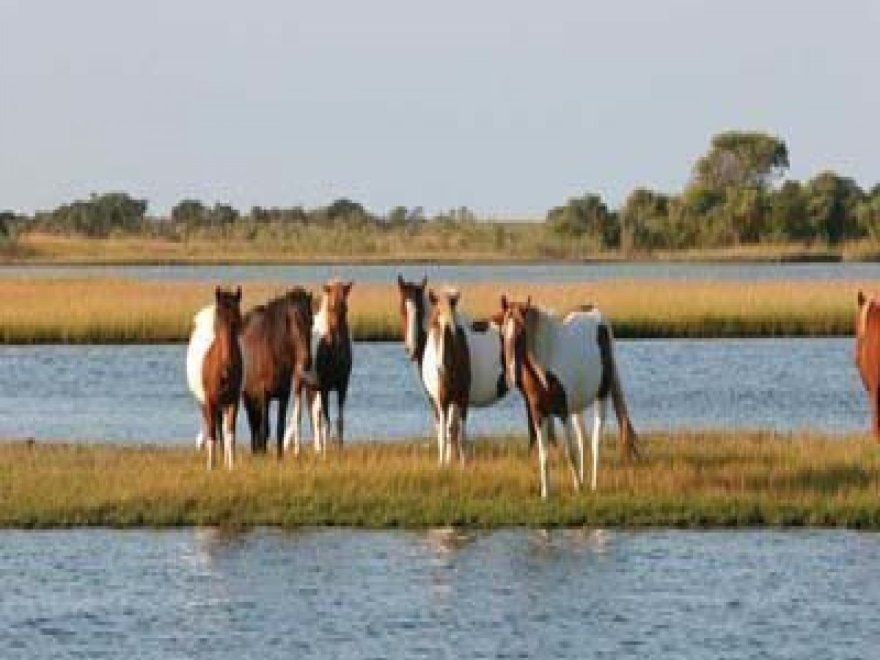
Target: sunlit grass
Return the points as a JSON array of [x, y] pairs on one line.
[[707, 479], [102, 310]]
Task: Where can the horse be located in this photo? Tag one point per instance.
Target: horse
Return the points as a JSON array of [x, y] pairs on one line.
[[214, 370], [446, 373], [276, 339], [488, 384], [867, 354], [561, 366], [333, 359]]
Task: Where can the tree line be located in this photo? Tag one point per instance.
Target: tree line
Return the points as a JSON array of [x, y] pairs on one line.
[[736, 195]]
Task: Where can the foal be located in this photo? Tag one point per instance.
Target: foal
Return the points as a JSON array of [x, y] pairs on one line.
[[333, 359], [446, 373], [561, 367], [214, 370], [277, 343]]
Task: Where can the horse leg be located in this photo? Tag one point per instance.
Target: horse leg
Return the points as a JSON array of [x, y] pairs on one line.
[[250, 409], [531, 423], [295, 420], [208, 417], [441, 436], [264, 423], [325, 419], [317, 420], [229, 416], [340, 422], [542, 453], [581, 433], [281, 422], [452, 430], [599, 406], [570, 450]]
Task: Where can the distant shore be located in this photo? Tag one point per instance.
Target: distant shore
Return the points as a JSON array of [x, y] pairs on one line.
[[108, 310], [689, 480], [45, 249]]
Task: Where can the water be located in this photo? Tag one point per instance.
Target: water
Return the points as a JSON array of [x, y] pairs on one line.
[[514, 594], [138, 393], [531, 272]]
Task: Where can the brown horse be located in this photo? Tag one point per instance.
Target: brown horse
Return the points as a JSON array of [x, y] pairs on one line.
[[214, 369], [333, 360], [276, 340], [561, 366], [867, 354], [446, 373]]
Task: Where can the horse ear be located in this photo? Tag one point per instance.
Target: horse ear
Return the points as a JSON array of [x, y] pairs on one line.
[[424, 282], [327, 288], [238, 294], [400, 282], [529, 302], [217, 293], [346, 288], [432, 297], [453, 298], [504, 303], [861, 298]]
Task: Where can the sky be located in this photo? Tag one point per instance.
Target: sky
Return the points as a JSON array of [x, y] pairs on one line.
[[503, 106]]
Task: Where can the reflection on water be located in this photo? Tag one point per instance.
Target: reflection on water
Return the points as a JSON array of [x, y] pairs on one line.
[[442, 593], [138, 393]]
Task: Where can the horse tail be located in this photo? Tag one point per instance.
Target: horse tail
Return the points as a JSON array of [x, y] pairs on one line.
[[611, 384]]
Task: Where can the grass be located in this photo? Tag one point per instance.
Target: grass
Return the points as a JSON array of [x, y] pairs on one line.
[[694, 480], [103, 310], [453, 243]]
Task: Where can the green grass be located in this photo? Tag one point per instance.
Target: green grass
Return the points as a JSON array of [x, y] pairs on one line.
[[698, 480]]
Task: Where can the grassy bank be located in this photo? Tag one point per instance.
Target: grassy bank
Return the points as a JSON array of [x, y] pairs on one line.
[[98, 310], [485, 242], [689, 480]]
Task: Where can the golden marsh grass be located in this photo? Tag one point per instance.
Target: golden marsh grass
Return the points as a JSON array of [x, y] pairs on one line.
[[706, 479], [102, 310]]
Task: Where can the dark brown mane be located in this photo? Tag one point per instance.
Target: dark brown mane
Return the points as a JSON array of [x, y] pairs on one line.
[[414, 292]]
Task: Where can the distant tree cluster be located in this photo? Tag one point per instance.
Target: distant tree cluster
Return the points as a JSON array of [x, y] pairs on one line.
[[736, 195], [733, 198]]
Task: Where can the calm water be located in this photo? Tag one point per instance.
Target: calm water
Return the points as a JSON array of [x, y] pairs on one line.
[[138, 393], [549, 272], [511, 594]]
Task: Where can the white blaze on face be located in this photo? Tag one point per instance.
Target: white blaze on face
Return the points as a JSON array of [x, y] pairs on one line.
[[510, 367], [411, 333]]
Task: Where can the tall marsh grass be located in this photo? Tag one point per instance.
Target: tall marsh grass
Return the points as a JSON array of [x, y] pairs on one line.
[[705, 479], [100, 310]]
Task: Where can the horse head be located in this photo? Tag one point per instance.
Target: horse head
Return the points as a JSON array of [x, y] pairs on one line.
[[227, 311], [518, 329], [413, 316], [443, 327], [334, 307]]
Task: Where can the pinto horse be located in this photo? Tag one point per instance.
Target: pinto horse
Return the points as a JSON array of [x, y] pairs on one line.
[[446, 373], [276, 339], [561, 367], [867, 354], [333, 359], [214, 370], [487, 382]]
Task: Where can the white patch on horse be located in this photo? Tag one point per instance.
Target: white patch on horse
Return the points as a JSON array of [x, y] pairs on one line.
[[411, 330], [200, 342]]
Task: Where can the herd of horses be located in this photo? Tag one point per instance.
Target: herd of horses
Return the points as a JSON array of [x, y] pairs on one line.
[[561, 365]]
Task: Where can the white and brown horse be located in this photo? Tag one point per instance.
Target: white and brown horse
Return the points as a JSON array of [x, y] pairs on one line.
[[332, 357], [276, 339], [214, 370], [446, 373], [867, 354], [483, 338], [561, 366]]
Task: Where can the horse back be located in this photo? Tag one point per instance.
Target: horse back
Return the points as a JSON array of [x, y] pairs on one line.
[[575, 357]]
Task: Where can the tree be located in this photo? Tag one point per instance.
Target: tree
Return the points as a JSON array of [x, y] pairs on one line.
[[788, 217], [831, 206], [585, 216], [741, 159], [643, 220], [189, 213]]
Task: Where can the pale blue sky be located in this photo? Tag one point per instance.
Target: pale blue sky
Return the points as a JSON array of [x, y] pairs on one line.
[[506, 107]]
